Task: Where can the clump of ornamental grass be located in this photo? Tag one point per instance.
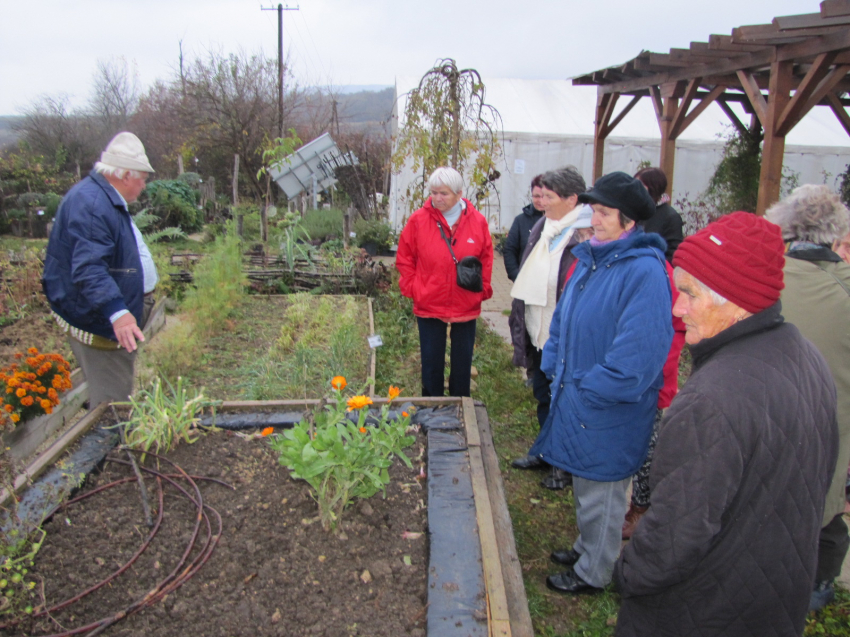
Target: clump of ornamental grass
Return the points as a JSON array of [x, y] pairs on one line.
[[163, 416], [343, 459]]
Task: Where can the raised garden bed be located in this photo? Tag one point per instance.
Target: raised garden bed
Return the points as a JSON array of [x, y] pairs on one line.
[[274, 572]]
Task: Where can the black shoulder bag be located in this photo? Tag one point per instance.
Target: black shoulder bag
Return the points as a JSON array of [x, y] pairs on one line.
[[469, 275]]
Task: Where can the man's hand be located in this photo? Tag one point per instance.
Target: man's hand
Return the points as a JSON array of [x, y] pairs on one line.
[[127, 332]]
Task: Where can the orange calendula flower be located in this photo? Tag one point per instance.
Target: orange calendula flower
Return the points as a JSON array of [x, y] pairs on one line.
[[405, 414], [358, 402], [338, 383], [268, 431], [363, 430], [394, 392], [32, 351]]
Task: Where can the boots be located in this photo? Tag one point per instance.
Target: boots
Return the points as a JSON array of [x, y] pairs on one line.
[[633, 516]]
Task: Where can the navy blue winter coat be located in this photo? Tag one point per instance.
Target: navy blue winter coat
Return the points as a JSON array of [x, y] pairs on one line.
[[92, 268], [608, 342]]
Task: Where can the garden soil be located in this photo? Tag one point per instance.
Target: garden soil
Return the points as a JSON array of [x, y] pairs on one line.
[[274, 570]]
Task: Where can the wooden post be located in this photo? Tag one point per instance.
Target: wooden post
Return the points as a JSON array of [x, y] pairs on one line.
[[179, 164], [600, 133], [235, 180], [346, 229], [670, 95], [773, 151]]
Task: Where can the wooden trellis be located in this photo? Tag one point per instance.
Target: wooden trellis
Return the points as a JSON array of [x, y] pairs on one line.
[[778, 72]]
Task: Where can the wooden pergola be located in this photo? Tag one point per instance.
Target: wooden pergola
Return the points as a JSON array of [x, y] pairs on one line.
[[778, 72]]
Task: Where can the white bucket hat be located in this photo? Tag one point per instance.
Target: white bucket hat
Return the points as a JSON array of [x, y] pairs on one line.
[[126, 151], [584, 217]]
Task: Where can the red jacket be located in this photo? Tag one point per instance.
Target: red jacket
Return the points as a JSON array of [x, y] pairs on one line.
[[427, 270]]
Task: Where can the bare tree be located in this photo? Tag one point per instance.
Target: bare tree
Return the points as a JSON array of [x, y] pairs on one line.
[[53, 130], [115, 94]]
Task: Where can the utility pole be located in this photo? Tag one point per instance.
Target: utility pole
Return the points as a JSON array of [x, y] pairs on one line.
[[280, 9]]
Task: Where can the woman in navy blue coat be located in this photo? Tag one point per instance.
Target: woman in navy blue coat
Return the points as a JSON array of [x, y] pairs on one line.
[[608, 342]]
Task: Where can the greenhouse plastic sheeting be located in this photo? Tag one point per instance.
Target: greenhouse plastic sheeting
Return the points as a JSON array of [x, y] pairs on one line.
[[456, 594]]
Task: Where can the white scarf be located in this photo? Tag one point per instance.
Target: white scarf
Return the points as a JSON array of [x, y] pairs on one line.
[[532, 282]]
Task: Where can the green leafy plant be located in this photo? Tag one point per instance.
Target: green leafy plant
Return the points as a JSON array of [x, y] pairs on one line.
[[340, 459], [219, 285], [163, 416], [17, 586], [173, 203], [374, 231]]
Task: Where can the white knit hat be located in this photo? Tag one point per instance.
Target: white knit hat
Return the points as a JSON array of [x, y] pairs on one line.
[[126, 151]]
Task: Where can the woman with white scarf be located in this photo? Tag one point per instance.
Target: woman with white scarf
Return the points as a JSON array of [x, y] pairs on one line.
[[545, 263]]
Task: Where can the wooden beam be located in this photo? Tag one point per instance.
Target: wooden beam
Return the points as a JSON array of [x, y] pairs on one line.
[[754, 60], [808, 21], [497, 600], [795, 109], [827, 85], [602, 101], [667, 161], [773, 151], [621, 115], [657, 101], [840, 111], [705, 102], [682, 109], [831, 8], [840, 40], [754, 93], [737, 123]]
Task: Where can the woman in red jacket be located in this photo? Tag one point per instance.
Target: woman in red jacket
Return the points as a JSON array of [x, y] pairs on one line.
[[428, 276]]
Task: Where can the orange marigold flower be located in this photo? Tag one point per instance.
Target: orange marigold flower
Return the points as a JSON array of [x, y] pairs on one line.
[[338, 383], [9, 390], [31, 376], [363, 430], [41, 390], [268, 431], [21, 392], [32, 351], [19, 356], [51, 393], [48, 410], [8, 408], [358, 402], [40, 358], [45, 404], [26, 401], [32, 362], [405, 414], [15, 417], [394, 392]]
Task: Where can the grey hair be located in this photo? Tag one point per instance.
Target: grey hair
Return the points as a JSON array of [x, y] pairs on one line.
[[716, 297], [565, 182], [811, 213], [445, 176], [114, 171]]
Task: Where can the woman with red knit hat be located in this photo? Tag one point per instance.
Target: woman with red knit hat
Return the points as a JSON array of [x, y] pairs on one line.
[[744, 458]]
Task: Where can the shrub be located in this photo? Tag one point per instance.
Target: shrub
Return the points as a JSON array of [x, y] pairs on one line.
[[320, 225], [374, 231], [219, 284], [174, 203]]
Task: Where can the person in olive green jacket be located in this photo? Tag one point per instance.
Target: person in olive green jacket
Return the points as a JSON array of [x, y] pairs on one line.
[[816, 299]]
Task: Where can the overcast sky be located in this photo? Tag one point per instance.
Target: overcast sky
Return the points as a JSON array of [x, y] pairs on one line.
[[52, 47]]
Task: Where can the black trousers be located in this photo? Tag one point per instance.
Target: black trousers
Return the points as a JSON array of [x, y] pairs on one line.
[[832, 547], [540, 386], [432, 347]]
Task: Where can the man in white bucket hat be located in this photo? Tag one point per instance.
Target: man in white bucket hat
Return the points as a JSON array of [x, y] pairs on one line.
[[99, 275]]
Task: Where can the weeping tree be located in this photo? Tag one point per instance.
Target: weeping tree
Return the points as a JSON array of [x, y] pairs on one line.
[[447, 122]]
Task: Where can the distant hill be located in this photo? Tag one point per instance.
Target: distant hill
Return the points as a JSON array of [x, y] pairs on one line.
[[366, 106], [8, 135]]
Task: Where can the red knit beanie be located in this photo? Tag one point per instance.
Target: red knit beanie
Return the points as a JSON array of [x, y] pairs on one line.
[[740, 256]]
